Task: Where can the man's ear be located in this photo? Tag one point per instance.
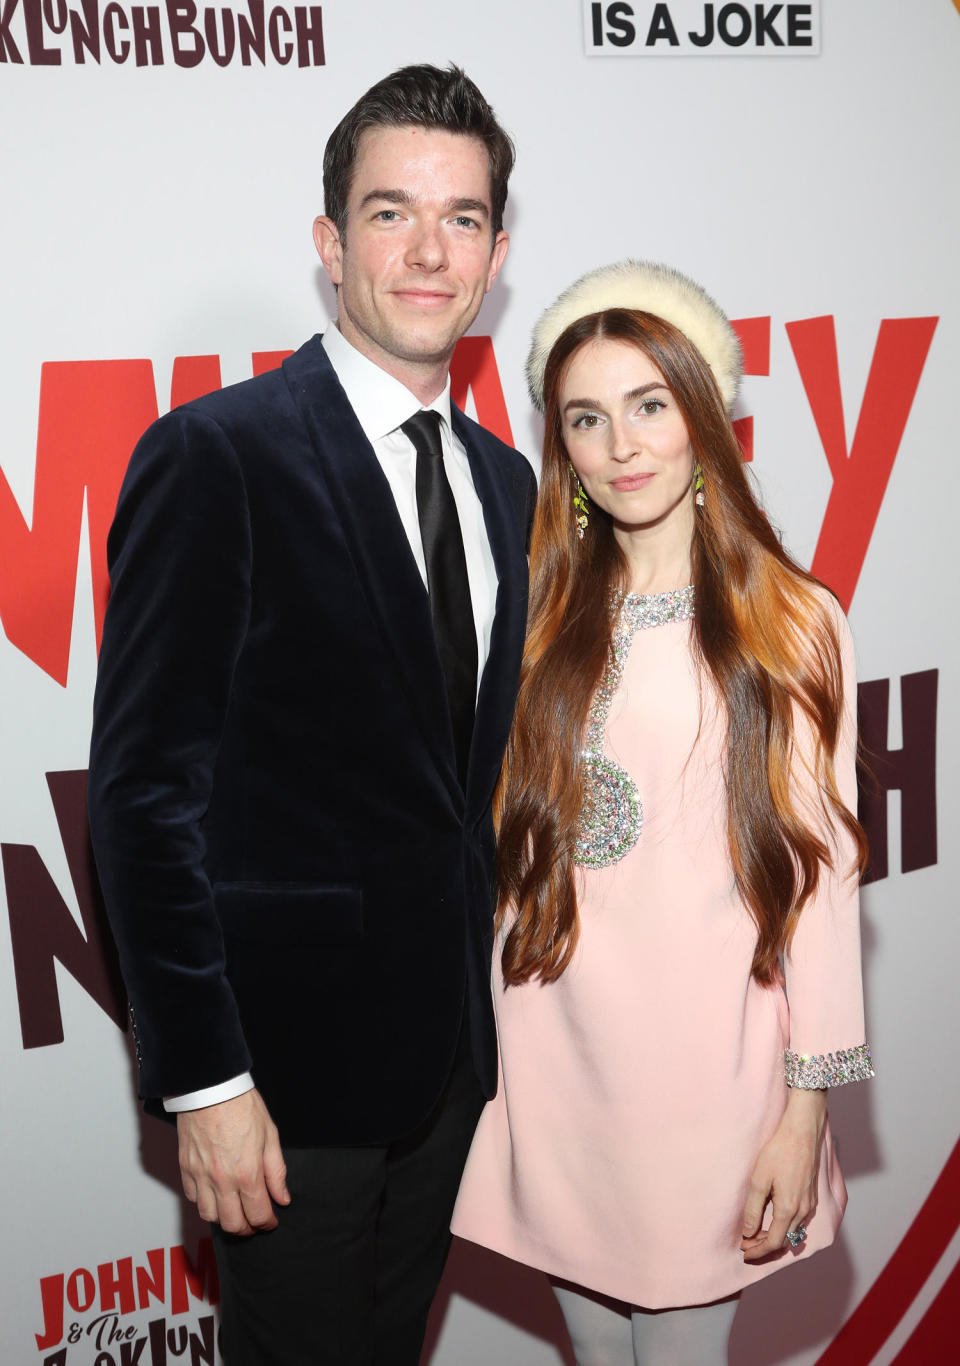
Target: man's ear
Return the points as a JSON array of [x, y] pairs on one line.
[[497, 256], [326, 237]]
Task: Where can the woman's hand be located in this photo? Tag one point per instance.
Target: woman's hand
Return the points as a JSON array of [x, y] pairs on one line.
[[786, 1173]]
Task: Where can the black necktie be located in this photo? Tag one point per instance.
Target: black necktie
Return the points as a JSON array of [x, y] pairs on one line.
[[447, 583]]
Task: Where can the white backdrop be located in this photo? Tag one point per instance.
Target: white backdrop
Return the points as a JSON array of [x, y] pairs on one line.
[[160, 211]]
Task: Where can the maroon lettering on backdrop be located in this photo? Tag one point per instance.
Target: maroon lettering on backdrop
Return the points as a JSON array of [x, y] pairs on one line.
[[43, 932], [911, 769], [180, 31], [42, 929]]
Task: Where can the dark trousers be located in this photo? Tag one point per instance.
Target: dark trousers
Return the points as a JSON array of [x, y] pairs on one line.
[[348, 1276]]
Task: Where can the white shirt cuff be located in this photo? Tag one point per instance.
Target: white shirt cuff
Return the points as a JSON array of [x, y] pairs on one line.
[[209, 1095]]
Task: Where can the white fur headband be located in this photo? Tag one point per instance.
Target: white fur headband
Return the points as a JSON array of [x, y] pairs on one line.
[[648, 288]]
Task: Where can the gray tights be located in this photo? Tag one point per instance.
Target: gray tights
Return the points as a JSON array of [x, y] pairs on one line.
[[607, 1333]]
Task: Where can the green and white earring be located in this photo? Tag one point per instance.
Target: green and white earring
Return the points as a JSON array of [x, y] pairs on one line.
[[698, 484]]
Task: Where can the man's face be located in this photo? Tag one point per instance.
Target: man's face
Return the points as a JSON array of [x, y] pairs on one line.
[[419, 253]]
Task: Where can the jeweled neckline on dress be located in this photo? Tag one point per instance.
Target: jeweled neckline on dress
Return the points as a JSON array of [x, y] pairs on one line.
[[612, 814], [645, 610]]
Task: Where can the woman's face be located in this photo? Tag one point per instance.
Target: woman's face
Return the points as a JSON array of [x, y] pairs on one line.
[[625, 436]]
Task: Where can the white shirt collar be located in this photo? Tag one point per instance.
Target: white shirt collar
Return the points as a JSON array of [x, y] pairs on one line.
[[380, 402]]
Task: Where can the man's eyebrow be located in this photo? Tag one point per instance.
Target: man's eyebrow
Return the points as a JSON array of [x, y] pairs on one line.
[[467, 206], [405, 198], [391, 197], [629, 397]]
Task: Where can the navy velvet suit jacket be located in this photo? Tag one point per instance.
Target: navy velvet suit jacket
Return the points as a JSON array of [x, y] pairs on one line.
[[297, 882]]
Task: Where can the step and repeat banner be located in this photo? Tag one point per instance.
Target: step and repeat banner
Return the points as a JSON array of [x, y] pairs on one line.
[[161, 171]]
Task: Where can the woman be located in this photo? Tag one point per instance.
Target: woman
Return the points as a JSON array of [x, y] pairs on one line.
[[675, 821]]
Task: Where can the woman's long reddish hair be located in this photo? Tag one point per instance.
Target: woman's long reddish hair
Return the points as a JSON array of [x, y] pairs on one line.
[[763, 631]]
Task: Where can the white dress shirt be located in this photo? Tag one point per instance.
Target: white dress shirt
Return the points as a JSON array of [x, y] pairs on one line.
[[381, 404]]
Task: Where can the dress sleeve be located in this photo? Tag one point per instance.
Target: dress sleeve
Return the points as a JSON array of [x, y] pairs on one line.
[[823, 970]]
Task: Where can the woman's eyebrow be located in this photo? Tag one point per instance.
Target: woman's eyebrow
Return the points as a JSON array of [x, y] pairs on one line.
[[629, 397], [643, 389]]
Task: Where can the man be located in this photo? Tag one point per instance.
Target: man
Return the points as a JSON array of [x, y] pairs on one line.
[[306, 681]]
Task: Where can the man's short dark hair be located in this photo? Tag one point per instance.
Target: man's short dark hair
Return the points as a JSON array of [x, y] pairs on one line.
[[420, 97]]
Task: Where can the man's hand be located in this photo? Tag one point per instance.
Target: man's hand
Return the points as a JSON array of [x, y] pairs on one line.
[[231, 1163]]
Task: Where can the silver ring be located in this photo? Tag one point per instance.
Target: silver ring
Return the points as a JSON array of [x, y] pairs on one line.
[[796, 1236]]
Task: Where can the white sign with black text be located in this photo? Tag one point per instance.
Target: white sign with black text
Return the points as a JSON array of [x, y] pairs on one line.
[[691, 28]]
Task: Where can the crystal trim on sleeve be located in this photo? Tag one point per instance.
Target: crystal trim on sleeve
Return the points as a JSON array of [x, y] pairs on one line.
[[814, 1071]]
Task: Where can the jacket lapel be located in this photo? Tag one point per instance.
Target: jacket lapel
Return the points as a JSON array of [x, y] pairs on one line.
[[377, 544], [502, 501]]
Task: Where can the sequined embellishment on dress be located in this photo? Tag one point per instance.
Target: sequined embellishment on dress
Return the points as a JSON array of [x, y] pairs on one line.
[[612, 813]]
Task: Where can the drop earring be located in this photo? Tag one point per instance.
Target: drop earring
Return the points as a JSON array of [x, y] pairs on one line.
[[581, 507], [698, 484]]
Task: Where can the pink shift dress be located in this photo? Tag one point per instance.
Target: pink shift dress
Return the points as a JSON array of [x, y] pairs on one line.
[[638, 1089]]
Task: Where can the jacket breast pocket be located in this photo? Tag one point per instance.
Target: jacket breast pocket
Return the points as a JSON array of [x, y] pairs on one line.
[[290, 913]]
